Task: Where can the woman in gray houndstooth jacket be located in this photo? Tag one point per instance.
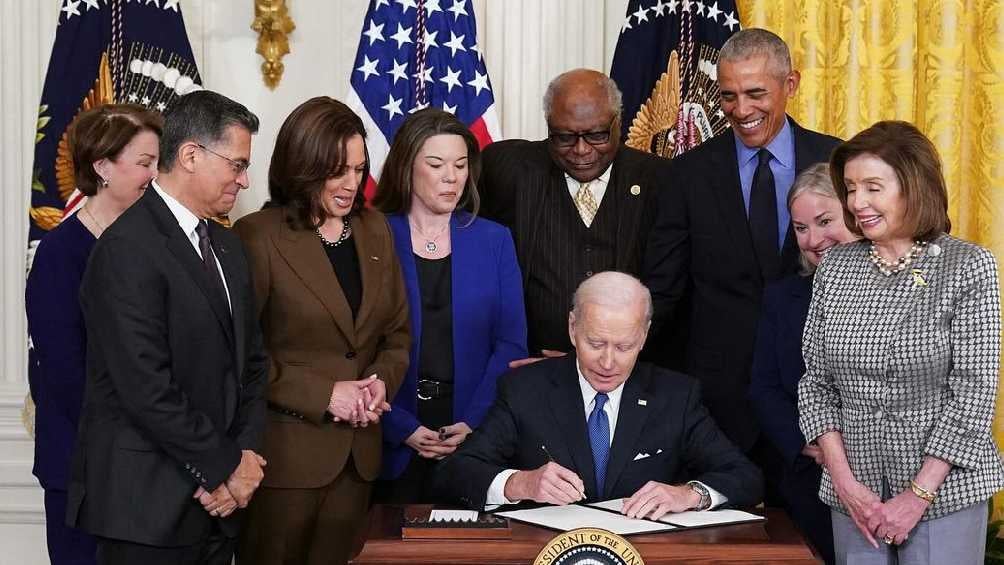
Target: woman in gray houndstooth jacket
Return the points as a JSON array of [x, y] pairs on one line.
[[902, 351]]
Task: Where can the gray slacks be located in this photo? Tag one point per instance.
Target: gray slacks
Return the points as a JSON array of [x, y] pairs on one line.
[[958, 538]]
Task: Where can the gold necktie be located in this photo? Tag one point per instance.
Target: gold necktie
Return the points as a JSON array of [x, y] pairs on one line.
[[586, 203]]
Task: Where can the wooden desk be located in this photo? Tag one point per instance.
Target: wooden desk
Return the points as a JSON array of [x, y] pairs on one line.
[[776, 541]]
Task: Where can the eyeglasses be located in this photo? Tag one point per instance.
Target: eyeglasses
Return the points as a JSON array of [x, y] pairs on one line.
[[238, 166], [597, 137]]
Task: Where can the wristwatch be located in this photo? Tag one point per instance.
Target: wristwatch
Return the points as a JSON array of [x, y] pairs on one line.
[[702, 490]]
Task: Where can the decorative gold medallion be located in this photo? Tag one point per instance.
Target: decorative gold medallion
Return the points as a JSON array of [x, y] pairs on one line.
[[588, 546]]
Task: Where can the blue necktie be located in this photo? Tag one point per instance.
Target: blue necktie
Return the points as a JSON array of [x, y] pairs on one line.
[[599, 440]]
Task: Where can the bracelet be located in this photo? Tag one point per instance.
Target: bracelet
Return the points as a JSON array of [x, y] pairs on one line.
[[922, 492]]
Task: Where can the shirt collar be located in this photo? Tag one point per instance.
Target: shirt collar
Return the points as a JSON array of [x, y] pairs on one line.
[[782, 147], [186, 219], [603, 179], [589, 393]]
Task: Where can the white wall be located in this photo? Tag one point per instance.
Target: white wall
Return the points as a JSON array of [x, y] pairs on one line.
[[525, 43]]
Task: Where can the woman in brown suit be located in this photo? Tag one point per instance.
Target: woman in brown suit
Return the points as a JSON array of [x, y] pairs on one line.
[[334, 315]]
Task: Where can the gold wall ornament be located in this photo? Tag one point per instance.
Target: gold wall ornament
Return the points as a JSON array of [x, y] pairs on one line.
[[273, 24]]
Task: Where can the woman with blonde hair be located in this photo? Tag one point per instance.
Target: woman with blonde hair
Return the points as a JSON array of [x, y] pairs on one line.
[[817, 220]]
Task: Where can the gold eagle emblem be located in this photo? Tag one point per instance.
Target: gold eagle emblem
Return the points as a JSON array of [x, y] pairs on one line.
[[653, 129]]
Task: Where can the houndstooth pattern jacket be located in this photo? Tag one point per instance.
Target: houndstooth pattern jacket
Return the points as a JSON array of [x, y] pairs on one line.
[[906, 366]]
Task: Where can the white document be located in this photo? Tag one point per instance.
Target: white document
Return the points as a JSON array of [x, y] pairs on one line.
[[454, 515], [565, 518], [692, 519]]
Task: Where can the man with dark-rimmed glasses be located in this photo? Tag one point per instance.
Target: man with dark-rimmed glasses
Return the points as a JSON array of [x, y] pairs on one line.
[[577, 202]]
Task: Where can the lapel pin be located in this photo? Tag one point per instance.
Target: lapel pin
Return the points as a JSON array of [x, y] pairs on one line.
[[642, 402], [374, 257], [635, 190], [918, 277], [934, 250]]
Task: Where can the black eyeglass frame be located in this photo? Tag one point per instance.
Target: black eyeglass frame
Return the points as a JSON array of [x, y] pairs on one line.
[[571, 139]]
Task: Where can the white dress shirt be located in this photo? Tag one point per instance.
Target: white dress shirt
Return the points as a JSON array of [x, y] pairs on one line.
[[597, 186], [496, 490], [188, 222]]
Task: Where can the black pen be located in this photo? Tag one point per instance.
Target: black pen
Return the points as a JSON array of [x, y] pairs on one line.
[[547, 453], [551, 460]]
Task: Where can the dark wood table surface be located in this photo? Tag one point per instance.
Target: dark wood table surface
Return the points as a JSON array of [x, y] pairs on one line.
[[773, 541]]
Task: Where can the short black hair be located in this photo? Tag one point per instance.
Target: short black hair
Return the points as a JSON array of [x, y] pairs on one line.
[[201, 116]]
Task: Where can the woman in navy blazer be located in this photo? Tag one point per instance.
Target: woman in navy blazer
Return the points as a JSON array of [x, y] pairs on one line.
[[817, 218], [465, 299], [115, 151]]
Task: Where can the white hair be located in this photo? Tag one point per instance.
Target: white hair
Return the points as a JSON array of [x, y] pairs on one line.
[[612, 289]]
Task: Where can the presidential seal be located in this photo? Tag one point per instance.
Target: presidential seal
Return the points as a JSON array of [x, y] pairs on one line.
[[588, 546]]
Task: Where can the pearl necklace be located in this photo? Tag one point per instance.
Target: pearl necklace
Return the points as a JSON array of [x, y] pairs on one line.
[[346, 232], [889, 268]]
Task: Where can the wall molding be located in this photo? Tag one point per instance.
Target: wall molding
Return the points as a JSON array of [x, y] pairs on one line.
[[20, 495]]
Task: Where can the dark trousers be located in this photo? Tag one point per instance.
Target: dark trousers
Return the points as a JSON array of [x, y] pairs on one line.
[[796, 489], [67, 546], [217, 549], [305, 526], [414, 486]]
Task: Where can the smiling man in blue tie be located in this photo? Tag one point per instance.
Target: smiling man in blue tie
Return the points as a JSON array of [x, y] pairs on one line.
[[600, 425]]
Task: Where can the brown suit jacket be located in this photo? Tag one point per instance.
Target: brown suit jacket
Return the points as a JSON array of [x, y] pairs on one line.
[[313, 342]]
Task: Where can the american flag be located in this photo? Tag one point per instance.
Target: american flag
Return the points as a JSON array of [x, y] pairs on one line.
[[418, 53]]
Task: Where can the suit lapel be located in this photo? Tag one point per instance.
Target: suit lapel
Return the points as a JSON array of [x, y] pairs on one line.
[[570, 419], [231, 266], [728, 193], [305, 255], [627, 205], [370, 268], [631, 417], [181, 247]]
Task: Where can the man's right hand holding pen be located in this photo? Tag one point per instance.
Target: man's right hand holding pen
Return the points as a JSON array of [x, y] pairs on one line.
[[550, 483]]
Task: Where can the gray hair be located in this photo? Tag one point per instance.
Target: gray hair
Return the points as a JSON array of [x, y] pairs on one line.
[[614, 289], [202, 116], [754, 42], [602, 81], [814, 180]]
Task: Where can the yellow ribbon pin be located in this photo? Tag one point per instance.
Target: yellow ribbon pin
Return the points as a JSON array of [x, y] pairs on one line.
[[918, 277]]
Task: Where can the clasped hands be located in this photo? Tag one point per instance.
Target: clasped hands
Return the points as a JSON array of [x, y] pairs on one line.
[[890, 521], [437, 445], [237, 490], [360, 403], [554, 484]]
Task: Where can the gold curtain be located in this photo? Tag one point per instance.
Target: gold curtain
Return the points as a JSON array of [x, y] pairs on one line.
[[936, 63]]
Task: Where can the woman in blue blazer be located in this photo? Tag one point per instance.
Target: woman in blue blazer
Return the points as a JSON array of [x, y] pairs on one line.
[[465, 299], [817, 219]]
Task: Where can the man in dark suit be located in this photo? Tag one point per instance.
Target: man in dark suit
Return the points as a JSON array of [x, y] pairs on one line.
[[577, 202], [724, 231], [599, 425], [174, 406]]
